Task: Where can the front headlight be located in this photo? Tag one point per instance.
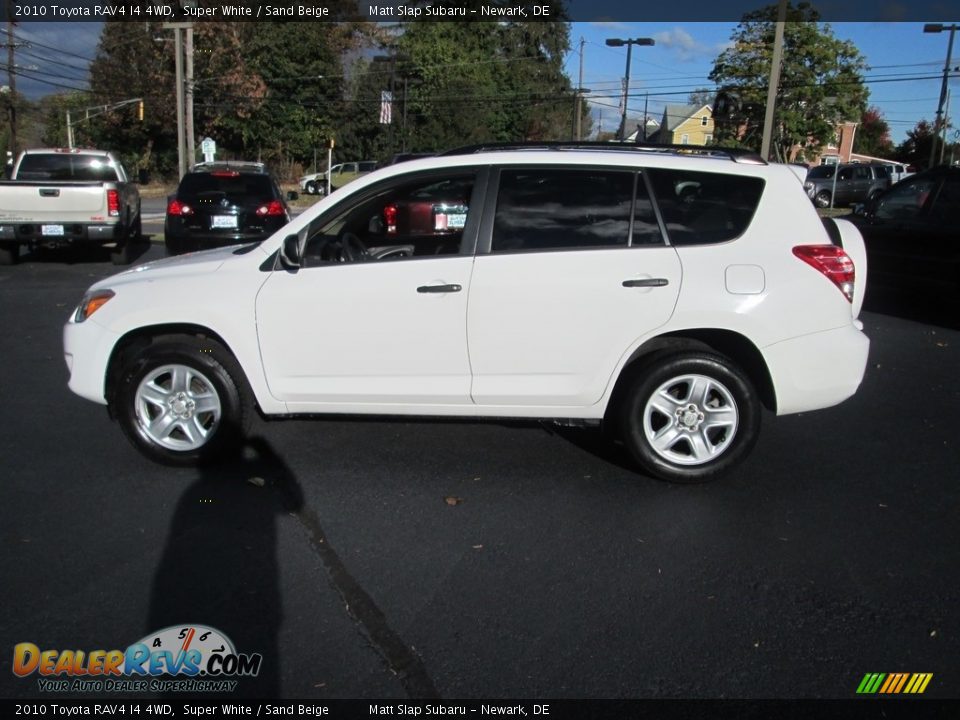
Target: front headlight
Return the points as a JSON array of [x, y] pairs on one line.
[[91, 303]]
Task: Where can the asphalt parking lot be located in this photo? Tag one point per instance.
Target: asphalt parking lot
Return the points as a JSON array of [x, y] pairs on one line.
[[417, 559]]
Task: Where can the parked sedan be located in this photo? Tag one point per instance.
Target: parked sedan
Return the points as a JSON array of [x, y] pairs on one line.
[[912, 231]]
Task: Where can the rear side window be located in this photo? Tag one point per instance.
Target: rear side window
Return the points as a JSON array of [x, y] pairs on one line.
[[701, 208], [89, 168], [237, 187], [568, 209]]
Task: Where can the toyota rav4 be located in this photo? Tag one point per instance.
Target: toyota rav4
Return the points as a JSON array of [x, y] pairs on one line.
[[667, 294]]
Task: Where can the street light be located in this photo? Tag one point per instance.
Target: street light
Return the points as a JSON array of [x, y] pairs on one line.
[[938, 28], [617, 42]]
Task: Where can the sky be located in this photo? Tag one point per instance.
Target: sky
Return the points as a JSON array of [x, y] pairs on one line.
[[904, 79]]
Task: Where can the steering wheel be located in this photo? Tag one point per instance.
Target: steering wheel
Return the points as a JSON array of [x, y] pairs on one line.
[[352, 248]]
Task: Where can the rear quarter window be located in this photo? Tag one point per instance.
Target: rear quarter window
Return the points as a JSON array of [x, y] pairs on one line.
[[700, 208]]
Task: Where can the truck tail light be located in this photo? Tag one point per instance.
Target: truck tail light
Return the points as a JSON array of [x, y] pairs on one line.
[[272, 208], [113, 203], [832, 262], [390, 218], [175, 207]]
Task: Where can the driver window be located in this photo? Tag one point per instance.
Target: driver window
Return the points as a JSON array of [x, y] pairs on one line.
[[419, 218]]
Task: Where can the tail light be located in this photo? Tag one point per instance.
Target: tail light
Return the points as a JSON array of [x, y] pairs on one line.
[[113, 203], [390, 218], [832, 262], [178, 208], [274, 207]]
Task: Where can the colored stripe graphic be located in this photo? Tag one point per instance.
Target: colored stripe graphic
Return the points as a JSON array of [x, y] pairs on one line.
[[894, 683]]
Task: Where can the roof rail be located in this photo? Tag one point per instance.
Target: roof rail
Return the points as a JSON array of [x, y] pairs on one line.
[[735, 154]]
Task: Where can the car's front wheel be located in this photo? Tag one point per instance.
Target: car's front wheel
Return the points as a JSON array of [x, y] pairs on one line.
[[690, 417], [182, 401], [822, 199], [311, 188]]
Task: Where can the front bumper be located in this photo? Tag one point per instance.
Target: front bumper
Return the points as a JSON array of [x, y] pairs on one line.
[[87, 347]]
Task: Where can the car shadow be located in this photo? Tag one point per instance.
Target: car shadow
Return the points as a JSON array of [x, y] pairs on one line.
[[219, 567], [79, 255], [919, 305]]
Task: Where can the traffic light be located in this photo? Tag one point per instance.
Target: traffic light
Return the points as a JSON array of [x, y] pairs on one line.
[[140, 110]]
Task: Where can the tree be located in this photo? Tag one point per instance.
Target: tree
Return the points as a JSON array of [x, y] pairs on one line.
[[484, 81], [821, 81], [873, 135], [915, 150], [701, 97]]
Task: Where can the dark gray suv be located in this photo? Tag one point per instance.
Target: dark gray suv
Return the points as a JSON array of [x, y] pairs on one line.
[[854, 183]]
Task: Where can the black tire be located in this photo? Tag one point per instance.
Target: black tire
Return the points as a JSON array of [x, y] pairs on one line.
[[210, 371], [693, 448], [123, 253], [9, 253], [311, 188], [822, 199]]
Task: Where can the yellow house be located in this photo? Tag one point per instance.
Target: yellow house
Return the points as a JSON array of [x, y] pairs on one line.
[[685, 125]]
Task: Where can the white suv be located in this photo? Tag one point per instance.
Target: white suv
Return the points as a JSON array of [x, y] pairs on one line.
[[668, 295]]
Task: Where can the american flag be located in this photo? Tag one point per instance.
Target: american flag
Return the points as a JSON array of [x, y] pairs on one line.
[[386, 107]]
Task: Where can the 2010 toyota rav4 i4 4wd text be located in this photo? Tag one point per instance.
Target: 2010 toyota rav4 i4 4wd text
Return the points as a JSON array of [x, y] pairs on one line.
[[666, 294]]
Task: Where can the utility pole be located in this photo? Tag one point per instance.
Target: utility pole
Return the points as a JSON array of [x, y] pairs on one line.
[[938, 123], [578, 97], [774, 81], [646, 99], [191, 145], [181, 121], [12, 78], [943, 132]]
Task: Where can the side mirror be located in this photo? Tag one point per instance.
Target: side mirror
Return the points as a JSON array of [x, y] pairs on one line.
[[290, 252], [292, 195]]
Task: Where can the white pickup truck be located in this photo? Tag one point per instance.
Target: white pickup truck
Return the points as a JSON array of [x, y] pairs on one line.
[[60, 197]]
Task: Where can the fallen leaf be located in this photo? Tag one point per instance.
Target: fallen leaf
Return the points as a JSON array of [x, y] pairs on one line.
[[258, 481], [881, 505], [478, 547], [451, 500]]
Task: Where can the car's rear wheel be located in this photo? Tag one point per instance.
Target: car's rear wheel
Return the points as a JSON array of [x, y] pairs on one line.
[[689, 417], [822, 199], [182, 401]]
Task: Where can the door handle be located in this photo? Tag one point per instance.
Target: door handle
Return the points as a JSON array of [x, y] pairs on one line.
[[646, 282], [439, 288]]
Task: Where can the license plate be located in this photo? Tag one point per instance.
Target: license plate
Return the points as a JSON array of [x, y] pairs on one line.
[[51, 230], [457, 220], [224, 221]]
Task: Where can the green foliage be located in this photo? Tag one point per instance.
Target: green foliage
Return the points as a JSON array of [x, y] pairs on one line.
[[276, 91], [821, 81], [474, 82]]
